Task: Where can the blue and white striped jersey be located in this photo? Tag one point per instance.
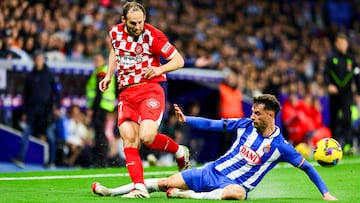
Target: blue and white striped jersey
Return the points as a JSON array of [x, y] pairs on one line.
[[251, 155]]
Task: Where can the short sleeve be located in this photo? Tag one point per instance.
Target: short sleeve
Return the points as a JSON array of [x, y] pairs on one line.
[[161, 46]]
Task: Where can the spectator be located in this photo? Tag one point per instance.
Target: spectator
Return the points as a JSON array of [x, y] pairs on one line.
[[302, 120], [79, 136], [230, 104], [77, 51], [55, 48], [41, 107], [196, 140]]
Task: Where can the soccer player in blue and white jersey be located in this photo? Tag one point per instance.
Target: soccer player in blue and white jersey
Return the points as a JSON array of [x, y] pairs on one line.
[[258, 147]]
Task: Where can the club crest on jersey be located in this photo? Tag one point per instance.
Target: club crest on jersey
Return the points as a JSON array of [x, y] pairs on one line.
[[266, 149], [153, 103], [250, 155], [138, 49]]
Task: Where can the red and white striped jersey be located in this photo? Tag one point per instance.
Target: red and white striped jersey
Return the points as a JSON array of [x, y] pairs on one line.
[[133, 56]]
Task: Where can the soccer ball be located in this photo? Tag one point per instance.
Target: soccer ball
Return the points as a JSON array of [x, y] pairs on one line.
[[328, 152]]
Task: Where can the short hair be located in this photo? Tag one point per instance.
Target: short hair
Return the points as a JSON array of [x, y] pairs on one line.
[[38, 53], [270, 102], [341, 35], [134, 6]]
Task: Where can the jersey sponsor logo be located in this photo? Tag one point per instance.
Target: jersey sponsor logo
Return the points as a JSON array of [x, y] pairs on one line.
[[153, 103], [130, 60], [166, 47], [250, 155]]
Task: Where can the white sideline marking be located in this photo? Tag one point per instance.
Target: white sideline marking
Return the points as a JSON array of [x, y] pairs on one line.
[[356, 161], [83, 176]]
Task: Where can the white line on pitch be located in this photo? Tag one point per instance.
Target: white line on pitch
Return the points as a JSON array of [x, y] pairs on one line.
[[356, 161], [83, 176]]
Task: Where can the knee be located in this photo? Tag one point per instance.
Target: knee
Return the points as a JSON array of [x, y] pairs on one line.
[[131, 142], [147, 138], [236, 192], [147, 132], [163, 184]]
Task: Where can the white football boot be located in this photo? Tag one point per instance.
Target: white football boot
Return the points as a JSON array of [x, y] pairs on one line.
[[100, 190]]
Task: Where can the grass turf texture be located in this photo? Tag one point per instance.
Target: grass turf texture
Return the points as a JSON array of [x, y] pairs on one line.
[[283, 184]]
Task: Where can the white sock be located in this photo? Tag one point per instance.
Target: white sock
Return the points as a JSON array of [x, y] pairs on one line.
[[180, 152], [122, 189], [140, 186], [214, 194], [152, 184]]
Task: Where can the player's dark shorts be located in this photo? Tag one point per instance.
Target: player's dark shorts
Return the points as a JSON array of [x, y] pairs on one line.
[[206, 179]]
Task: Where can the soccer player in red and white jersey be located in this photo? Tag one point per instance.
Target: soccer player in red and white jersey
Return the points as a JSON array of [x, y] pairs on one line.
[[135, 55]]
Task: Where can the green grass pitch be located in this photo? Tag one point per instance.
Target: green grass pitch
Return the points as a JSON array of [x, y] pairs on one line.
[[282, 184]]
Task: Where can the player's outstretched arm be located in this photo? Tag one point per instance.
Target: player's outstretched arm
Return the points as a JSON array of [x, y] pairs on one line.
[[198, 122], [317, 180], [328, 196]]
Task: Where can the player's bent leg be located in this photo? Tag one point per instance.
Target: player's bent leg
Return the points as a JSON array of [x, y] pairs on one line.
[[129, 133], [183, 161], [151, 185], [234, 191], [174, 181], [148, 134], [147, 131]]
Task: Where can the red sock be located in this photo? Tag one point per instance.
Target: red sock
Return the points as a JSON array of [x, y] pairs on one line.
[[134, 165], [164, 143]]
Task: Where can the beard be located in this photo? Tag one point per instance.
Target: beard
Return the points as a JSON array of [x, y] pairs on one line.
[[260, 126], [134, 32]]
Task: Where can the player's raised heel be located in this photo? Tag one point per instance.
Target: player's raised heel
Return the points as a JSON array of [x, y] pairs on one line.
[[178, 193], [184, 162], [136, 193], [100, 190]]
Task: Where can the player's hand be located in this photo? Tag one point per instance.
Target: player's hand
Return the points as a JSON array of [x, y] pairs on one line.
[[328, 196], [152, 72], [104, 84], [179, 114], [332, 89]]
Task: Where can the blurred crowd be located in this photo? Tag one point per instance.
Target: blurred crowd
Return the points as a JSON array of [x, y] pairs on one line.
[[285, 39], [269, 44]]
